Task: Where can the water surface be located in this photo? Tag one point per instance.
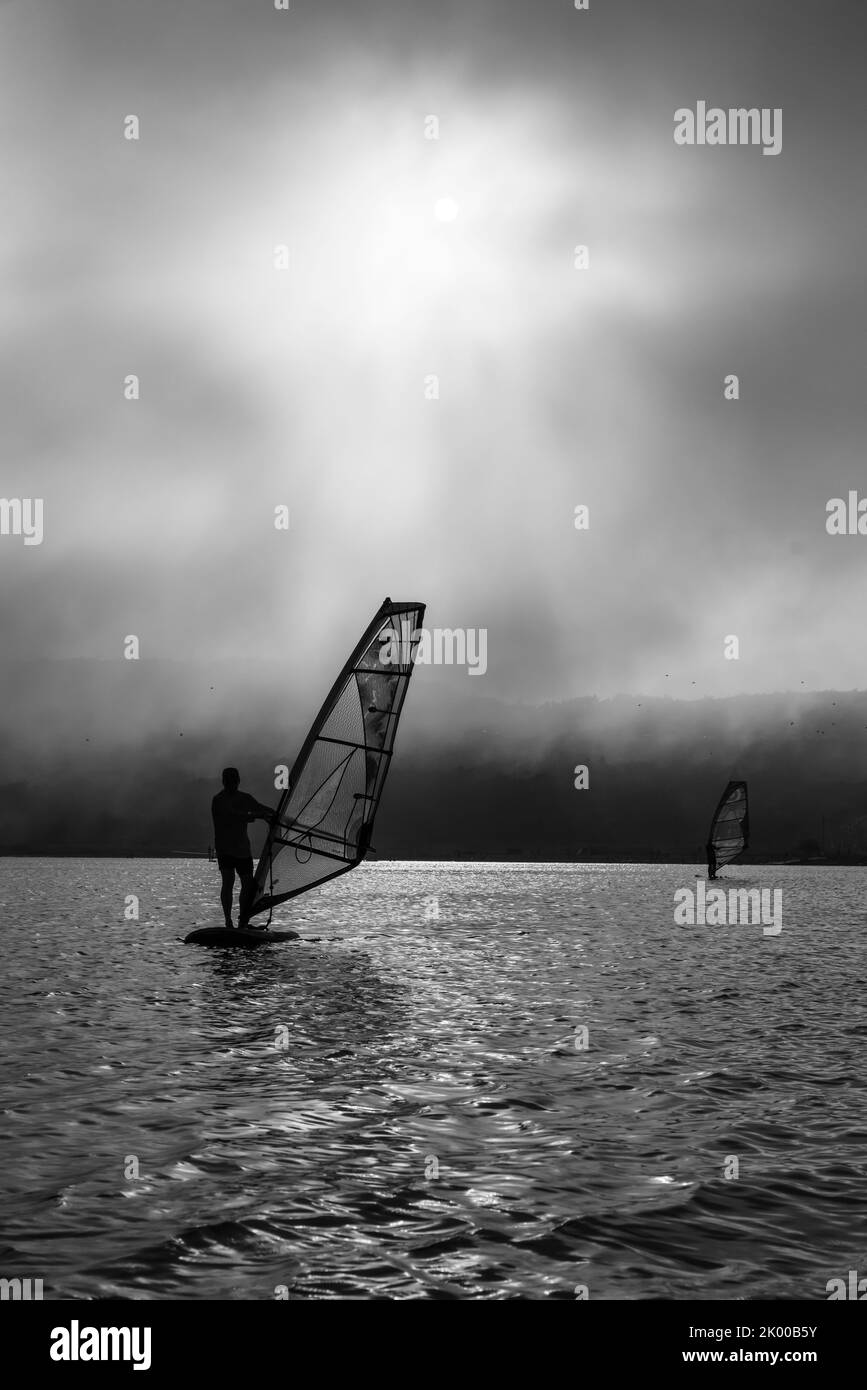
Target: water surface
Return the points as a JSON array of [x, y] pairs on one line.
[[400, 1105]]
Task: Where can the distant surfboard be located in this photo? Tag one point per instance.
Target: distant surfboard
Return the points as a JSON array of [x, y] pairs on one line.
[[226, 936]]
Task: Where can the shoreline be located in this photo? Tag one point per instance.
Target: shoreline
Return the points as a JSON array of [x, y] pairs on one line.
[[819, 862]]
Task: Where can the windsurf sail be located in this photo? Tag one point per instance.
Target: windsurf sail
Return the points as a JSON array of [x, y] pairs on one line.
[[730, 828], [325, 817]]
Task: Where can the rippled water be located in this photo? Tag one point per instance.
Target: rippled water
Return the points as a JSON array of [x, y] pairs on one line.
[[396, 1106]]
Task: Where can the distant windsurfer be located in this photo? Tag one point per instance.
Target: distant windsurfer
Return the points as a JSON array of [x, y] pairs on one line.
[[711, 861], [232, 811]]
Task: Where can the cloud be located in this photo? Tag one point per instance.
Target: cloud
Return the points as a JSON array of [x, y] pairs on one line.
[[556, 386]]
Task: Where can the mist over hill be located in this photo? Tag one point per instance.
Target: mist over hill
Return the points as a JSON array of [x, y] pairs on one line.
[[101, 758]]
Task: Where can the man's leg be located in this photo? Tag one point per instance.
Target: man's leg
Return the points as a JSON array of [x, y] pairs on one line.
[[245, 900], [227, 892]]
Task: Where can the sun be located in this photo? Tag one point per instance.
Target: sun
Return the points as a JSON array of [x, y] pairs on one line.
[[445, 210]]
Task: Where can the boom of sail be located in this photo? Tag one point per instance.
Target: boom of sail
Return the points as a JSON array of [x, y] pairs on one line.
[[730, 828], [325, 817]]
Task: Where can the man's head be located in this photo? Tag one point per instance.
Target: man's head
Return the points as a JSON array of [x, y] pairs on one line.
[[231, 779]]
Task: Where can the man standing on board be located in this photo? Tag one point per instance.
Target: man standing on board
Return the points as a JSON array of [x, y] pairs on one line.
[[232, 811]]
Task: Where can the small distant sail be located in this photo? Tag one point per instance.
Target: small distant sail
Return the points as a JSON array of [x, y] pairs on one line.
[[325, 817], [729, 829]]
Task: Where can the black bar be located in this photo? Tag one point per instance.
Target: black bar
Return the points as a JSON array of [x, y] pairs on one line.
[[387, 671], [359, 747], [215, 1340], [311, 850]]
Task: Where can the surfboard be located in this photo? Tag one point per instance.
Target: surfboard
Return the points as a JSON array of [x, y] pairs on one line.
[[224, 936]]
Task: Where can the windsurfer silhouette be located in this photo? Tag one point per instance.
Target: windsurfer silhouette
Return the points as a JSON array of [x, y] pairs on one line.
[[711, 860], [232, 811]]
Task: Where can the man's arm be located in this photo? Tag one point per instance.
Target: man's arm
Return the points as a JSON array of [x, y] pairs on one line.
[[252, 810]]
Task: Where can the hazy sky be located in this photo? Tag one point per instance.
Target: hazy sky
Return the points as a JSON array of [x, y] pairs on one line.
[[557, 386]]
